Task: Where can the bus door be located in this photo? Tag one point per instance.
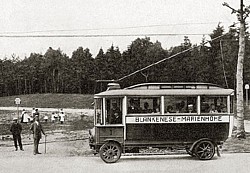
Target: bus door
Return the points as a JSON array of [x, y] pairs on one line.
[[112, 128]]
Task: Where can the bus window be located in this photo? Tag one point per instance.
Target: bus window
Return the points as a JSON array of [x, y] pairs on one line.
[[231, 104], [98, 111], [114, 111], [213, 104], [180, 104], [142, 105]]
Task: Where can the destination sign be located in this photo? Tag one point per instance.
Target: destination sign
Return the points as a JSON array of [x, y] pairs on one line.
[[178, 119]]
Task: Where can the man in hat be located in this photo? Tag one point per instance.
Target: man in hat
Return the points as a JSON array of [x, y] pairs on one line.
[[37, 130], [16, 130], [115, 114]]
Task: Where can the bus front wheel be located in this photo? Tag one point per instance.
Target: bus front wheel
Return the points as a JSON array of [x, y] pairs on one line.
[[110, 152], [204, 150]]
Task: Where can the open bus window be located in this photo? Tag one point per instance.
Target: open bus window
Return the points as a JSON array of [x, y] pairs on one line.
[[114, 111], [98, 111], [180, 104], [142, 105], [215, 104], [231, 104]]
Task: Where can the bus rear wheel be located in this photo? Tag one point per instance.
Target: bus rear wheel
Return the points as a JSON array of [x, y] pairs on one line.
[[204, 150], [110, 152]]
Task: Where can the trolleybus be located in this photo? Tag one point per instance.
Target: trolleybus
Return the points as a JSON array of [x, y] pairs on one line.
[[197, 117]]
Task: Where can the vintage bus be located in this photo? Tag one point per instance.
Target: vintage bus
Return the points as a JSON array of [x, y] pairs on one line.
[[197, 117]]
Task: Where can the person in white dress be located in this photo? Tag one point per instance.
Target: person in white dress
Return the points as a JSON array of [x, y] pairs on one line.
[[46, 118], [62, 117], [53, 117], [26, 117]]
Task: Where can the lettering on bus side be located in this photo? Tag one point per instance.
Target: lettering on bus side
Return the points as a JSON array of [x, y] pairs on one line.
[[178, 119]]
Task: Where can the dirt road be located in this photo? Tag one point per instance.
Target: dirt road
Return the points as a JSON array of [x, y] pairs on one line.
[[141, 164]]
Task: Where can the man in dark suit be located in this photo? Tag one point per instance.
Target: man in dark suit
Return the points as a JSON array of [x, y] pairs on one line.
[[16, 129], [115, 115], [37, 130]]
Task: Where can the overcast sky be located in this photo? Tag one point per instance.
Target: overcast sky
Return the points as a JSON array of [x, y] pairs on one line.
[[106, 17]]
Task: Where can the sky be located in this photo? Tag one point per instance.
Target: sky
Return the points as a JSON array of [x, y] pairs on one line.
[[93, 19]]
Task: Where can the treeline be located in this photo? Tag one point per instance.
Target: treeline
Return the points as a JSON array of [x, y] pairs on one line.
[[56, 72]]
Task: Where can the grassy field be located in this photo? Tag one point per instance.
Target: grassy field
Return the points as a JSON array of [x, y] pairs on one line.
[[74, 101]]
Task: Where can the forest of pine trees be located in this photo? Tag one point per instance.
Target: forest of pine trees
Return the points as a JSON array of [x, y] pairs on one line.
[[56, 72]]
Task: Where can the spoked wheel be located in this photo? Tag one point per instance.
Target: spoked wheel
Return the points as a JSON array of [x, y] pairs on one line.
[[110, 152], [205, 150]]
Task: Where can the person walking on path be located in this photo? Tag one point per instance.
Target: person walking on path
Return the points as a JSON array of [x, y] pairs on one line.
[[37, 130], [16, 129]]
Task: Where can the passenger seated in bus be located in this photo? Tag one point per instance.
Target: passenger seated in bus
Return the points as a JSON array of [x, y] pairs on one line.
[[212, 109], [156, 109], [222, 108], [170, 109], [181, 107], [115, 115], [190, 108], [146, 108], [133, 108], [205, 108]]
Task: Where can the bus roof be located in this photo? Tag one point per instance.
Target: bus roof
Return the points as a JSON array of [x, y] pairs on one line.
[[181, 89], [179, 85]]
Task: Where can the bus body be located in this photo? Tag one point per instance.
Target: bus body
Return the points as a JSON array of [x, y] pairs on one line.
[[197, 117]]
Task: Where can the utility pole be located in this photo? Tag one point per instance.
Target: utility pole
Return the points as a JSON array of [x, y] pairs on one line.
[[242, 14]]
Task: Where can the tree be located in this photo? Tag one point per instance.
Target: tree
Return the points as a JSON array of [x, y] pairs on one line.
[[113, 59], [83, 67], [33, 68], [136, 58], [215, 63], [54, 63], [242, 15]]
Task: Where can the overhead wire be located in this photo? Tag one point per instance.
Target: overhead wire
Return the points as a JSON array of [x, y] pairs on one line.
[[108, 28], [160, 61], [99, 35]]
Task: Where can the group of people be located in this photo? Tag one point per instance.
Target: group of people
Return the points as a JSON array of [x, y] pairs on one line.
[[181, 108], [35, 128], [217, 109], [135, 108], [60, 116], [26, 118]]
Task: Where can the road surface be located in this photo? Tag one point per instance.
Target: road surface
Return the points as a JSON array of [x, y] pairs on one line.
[[28, 163]]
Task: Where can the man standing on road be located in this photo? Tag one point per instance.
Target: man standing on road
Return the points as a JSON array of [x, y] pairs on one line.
[[16, 129], [37, 130]]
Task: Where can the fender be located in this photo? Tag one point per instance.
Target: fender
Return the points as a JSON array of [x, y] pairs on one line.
[[112, 140], [202, 139]]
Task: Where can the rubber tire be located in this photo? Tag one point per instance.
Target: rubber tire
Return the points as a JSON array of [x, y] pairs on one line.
[[204, 150], [110, 152]]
